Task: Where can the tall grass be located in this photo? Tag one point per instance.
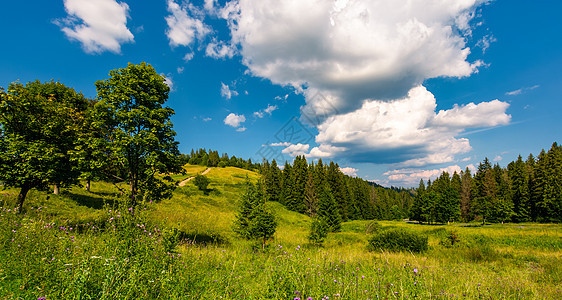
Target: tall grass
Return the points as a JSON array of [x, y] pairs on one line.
[[89, 246]]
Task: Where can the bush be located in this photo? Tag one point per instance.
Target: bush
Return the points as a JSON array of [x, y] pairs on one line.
[[398, 240], [201, 182]]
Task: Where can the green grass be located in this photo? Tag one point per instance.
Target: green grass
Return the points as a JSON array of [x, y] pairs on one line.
[[82, 245]]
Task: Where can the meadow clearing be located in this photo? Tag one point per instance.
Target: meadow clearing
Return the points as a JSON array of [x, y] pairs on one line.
[[86, 245]]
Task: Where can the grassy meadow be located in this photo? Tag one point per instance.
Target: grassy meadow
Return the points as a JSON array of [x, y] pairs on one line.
[[85, 245]]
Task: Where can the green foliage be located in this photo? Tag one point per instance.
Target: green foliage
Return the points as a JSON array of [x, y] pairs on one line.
[[395, 240], [318, 231], [201, 182], [139, 138], [39, 125], [254, 219]]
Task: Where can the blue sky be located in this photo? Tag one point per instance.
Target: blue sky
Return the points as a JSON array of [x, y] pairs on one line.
[[391, 91]]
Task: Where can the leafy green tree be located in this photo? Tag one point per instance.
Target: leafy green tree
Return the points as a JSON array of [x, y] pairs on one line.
[[140, 138], [201, 182], [39, 125]]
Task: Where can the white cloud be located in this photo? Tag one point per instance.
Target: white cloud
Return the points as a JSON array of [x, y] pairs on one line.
[[270, 108], [389, 48], [100, 25], [522, 90], [349, 171], [188, 56], [485, 42], [226, 92], [185, 24], [325, 151], [366, 98], [284, 144], [168, 81], [234, 120], [180, 70], [207, 119], [412, 177], [296, 149], [497, 158], [220, 50], [485, 114], [407, 131], [515, 92], [241, 129]]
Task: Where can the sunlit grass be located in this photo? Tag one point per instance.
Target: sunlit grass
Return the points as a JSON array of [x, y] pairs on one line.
[[41, 256]]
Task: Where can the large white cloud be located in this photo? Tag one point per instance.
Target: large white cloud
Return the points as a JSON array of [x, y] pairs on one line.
[[100, 25], [360, 65], [408, 131], [185, 24], [353, 50]]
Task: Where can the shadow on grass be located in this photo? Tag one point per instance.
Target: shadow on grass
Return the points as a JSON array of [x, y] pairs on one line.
[[95, 200]]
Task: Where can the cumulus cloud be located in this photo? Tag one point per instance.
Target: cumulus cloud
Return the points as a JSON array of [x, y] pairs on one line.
[[235, 120], [185, 24], [360, 66], [100, 25], [485, 114], [389, 48], [407, 131], [296, 149], [349, 171], [226, 92]]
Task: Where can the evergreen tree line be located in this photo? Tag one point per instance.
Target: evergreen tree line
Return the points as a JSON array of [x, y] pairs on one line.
[[211, 158], [525, 191], [323, 191]]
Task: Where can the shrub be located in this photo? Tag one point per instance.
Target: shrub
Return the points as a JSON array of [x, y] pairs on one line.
[[398, 240], [201, 182]]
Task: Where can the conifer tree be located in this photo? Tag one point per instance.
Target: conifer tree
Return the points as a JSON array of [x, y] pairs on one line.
[[328, 209], [254, 220], [520, 190], [466, 195]]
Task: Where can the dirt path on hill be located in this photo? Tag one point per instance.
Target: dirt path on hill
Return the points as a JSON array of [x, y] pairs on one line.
[[184, 182]]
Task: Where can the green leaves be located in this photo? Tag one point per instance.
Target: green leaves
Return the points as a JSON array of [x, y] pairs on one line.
[[139, 136], [39, 125]]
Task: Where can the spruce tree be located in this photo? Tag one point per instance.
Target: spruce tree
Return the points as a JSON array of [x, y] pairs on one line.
[[328, 210]]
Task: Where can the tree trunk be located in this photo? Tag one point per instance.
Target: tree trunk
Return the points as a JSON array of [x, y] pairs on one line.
[[56, 189], [88, 185], [21, 197]]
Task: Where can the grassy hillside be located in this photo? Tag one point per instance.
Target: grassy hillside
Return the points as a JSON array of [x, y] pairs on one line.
[[82, 245]]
